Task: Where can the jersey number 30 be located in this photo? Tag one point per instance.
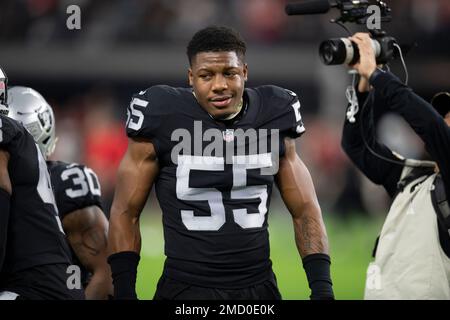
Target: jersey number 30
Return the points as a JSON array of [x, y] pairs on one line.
[[83, 182]]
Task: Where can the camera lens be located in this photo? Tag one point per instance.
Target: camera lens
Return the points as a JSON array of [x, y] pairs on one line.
[[326, 52], [333, 52], [339, 51]]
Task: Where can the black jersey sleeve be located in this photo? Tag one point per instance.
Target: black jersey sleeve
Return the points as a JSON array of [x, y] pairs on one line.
[[146, 113], [76, 187], [281, 109], [9, 131]]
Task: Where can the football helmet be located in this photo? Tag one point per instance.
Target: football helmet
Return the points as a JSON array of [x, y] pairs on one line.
[[29, 107], [3, 92]]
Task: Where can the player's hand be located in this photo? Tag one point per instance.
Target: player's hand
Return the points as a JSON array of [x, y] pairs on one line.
[[367, 62]]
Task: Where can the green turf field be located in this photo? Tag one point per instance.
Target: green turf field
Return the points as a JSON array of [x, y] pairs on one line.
[[351, 244]]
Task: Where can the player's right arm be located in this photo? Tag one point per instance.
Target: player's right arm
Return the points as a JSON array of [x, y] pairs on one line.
[[137, 172], [5, 195]]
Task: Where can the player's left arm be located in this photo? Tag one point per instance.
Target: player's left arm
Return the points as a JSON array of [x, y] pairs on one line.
[[5, 195], [87, 230], [298, 193]]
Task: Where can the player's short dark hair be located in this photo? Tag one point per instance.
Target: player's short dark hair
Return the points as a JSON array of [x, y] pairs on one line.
[[216, 39]]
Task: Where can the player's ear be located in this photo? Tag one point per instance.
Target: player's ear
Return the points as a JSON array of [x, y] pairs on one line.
[[191, 77], [245, 71]]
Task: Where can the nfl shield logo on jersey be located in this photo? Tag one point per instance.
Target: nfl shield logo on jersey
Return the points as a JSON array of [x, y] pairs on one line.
[[228, 135]]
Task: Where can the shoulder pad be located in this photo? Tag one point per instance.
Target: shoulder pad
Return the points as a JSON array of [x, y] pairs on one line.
[[10, 129], [281, 110], [146, 110], [278, 97]]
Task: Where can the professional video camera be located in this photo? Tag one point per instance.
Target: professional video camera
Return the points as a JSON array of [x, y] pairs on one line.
[[342, 50]]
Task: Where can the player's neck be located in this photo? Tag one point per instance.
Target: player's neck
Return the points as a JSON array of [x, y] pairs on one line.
[[230, 119], [238, 110]]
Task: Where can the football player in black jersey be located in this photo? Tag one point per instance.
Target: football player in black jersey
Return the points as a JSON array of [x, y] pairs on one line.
[[77, 194], [213, 152], [34, 256]]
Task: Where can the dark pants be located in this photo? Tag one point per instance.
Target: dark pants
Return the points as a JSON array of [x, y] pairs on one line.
[[170, 289], [45, 282]]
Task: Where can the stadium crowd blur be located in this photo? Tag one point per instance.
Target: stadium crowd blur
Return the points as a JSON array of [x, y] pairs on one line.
[[90, 111]]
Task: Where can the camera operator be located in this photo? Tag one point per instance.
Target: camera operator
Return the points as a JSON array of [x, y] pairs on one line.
[[412, 254]]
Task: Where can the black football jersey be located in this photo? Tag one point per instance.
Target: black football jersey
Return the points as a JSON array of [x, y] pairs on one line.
[[35, 236], [215, 180], [75, 187]]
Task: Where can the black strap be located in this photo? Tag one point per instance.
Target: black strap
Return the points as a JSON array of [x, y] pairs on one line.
[[375, 247], [413, 175], [440, 201], [442, 209]]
